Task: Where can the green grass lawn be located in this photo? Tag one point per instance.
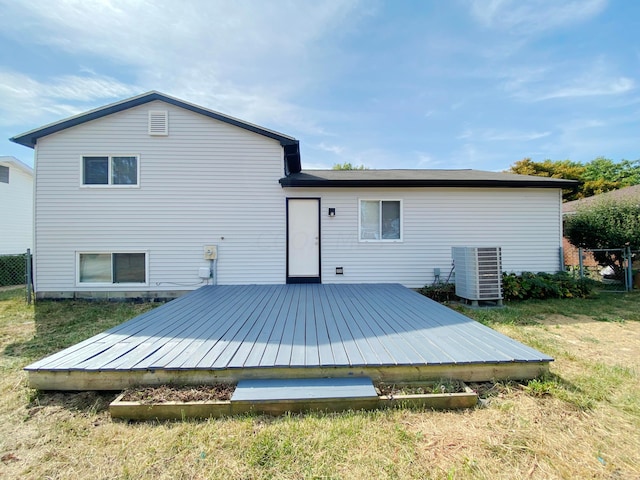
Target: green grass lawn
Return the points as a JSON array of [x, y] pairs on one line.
[[580, 421]]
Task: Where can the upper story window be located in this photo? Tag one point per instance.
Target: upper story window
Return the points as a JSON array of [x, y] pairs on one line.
[[4, 174], [380, 220], [110, 170]]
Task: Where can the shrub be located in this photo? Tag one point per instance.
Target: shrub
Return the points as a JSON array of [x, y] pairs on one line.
[[440, 292], [606, 225], [544, 285]]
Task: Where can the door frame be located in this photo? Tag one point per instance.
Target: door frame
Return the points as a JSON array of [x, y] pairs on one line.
[[317, 279]]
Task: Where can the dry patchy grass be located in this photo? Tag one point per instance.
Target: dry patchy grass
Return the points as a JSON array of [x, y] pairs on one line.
[[581, 421]]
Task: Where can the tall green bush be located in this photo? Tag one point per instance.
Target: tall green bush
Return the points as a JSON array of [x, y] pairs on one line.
[[606, 225]]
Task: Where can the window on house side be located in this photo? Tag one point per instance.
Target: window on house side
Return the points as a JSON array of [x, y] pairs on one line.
[[380, 220], [121, 170], [4, 174], [112, 268]]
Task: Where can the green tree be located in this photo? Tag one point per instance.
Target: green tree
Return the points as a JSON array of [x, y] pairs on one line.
[[623, 173], [555, 169], [606, 225], [348, 166], [597, 176]]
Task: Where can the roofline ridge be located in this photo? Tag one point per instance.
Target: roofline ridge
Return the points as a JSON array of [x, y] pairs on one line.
[[29, 138]]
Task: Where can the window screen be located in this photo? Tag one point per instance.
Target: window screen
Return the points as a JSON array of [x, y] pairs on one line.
[[129, 268]]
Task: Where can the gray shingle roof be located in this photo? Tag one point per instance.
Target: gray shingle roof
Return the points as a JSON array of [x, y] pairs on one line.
[[419, 178]]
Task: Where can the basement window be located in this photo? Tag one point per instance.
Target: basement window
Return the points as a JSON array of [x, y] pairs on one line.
[[380, 220], [117, 171], [112, 268]]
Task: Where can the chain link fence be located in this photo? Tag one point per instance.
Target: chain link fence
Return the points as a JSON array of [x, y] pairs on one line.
[[15, 270], [620, 276]]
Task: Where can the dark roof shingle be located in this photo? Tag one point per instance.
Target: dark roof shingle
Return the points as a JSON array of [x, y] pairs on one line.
[[419, 178]]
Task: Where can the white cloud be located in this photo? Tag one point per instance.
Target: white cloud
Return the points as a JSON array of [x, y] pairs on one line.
[[592, 87], [335, 149], [426, 160], [24, 100], [531, 16], [492, 135], [599, 78], [249, 59]]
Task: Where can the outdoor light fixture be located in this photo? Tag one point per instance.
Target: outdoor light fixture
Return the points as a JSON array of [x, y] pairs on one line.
[[332, 212]]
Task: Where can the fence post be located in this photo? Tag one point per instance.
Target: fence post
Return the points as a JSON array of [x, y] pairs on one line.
[[28, 279], [629, 272], [580, 262]]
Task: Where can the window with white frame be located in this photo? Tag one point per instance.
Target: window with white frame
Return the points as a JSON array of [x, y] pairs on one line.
[[109, 268], [380, 220], [114, 170]]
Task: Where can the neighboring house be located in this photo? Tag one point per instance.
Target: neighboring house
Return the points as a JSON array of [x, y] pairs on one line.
[[622, 194], [132, 199], [571, 255], [16, 206]]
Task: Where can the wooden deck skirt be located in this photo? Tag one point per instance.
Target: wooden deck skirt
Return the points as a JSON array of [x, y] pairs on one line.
[[229, 333]]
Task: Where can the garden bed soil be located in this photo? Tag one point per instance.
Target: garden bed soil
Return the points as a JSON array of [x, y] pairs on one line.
[[169, 393]]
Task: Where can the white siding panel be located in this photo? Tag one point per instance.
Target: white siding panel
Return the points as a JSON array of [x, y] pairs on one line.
[[16, 212], [207, 182], [524, 222]]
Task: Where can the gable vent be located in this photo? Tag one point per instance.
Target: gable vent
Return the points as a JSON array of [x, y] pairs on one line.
[[158, 122]]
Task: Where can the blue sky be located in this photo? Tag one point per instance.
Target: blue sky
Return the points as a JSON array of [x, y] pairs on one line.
[[398, 84]]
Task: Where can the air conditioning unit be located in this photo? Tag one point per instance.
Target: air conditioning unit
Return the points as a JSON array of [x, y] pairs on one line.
[[478, 273]]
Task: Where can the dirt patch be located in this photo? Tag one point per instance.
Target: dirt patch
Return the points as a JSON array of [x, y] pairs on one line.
[[86, 402], [167, 393], [608, 341]]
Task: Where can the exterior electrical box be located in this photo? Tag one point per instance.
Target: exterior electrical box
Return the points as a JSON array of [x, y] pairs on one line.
[[204, 272], [210, 252]]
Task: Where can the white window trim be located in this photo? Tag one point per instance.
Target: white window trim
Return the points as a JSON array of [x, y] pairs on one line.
[[381, 240], [109, 156], [112, 284]]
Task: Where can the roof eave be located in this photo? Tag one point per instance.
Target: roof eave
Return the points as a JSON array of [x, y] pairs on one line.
[[30, 138], [315, 183]]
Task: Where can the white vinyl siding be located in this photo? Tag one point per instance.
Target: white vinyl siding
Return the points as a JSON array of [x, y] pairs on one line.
[[524, 222], [208, 183], [16, 211]]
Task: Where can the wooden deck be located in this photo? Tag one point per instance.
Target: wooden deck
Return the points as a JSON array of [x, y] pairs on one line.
[[229, 333]]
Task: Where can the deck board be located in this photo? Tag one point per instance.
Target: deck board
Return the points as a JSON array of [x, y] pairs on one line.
[[271, 327]]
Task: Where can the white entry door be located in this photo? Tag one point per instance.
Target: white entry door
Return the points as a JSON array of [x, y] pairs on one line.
[[303, 240]]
